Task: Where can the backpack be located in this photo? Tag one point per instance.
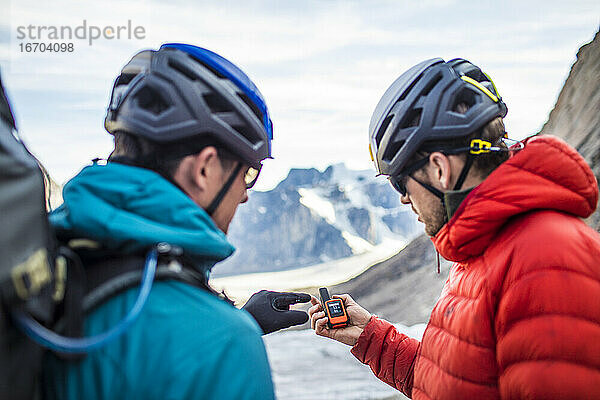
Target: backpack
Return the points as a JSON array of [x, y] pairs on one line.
[[31, 279]]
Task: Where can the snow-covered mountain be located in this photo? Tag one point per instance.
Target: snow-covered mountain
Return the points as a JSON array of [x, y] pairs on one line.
[[313, 217]]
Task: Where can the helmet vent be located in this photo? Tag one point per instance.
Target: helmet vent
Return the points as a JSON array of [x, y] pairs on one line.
[[151, 100], [413, 118], [432, 84], [392, 150], [208, 67], [124, 79], [216, 103], [184, 70], [383, 128], [409, 89], [211, 69], [246, 133], [467, 97], [252, 106]]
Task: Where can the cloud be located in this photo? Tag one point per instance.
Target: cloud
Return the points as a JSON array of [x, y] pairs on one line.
[[322, 66]]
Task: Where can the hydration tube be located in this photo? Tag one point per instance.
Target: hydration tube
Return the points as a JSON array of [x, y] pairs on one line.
[[53, 341]]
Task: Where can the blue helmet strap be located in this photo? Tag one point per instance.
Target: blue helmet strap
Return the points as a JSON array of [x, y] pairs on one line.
[[219, 197]]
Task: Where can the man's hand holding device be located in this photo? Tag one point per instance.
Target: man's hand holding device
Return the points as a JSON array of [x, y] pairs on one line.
[[342, 319]]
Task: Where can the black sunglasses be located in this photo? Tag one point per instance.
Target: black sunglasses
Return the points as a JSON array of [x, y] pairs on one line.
[[399, 181]]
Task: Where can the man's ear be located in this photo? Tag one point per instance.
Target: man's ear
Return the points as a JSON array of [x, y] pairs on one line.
[[440, 170], [199, 175], [205, 167]]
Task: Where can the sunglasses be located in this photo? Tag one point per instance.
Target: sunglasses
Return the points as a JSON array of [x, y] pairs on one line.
[[251, 176], [399, 181]]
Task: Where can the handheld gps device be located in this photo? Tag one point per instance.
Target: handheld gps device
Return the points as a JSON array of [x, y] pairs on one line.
[[334, 310]]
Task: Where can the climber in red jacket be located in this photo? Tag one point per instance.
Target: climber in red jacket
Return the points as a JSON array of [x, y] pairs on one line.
[[519, 316]]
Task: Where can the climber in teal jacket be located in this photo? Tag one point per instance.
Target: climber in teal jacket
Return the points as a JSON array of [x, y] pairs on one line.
[[187, 343], [191, 131]]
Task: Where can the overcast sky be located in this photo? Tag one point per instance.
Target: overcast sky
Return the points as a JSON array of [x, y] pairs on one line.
[[321, 65]]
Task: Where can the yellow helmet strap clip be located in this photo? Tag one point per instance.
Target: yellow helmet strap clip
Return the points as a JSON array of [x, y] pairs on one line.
[[479, 146]]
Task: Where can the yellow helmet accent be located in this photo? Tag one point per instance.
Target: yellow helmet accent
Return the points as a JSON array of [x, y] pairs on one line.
[[493, 84], [480, 87], [479, 146]]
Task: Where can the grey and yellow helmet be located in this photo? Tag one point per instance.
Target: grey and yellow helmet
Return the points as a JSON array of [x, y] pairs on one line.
[[429, 93]]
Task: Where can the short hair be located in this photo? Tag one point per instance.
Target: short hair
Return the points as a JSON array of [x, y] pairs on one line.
[[483, 163], [164, 158]]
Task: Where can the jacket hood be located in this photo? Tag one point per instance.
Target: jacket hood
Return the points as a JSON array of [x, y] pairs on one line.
[[128, 209], [547, 174]]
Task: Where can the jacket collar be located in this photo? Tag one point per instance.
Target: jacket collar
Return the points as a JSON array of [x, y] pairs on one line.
[[546, 174], [128, 209]]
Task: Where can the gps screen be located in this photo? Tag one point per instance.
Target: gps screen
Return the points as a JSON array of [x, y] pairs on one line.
[[335, 308]]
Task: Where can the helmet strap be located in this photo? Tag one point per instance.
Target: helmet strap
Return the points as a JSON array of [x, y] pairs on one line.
[[437, 193], [219, 197], [461, 179], [464, 172]]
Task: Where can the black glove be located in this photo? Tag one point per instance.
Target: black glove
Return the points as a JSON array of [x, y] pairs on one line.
[[272, 309]]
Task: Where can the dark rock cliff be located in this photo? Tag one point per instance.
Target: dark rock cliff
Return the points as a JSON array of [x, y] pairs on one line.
[[576, 115]]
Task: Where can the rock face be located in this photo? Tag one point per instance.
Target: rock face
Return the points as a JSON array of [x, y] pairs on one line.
[[312, 217], [576, 115]]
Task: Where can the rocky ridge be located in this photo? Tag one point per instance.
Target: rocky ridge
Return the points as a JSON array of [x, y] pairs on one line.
[[576, 115]]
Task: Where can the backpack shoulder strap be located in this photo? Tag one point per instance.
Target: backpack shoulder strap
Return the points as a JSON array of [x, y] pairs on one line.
[[101, 276], [113, 276]]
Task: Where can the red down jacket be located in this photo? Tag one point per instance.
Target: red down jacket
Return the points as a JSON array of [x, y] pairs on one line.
[[519, 316]]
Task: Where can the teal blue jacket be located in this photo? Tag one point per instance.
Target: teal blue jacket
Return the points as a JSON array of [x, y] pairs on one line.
[[187, 343]]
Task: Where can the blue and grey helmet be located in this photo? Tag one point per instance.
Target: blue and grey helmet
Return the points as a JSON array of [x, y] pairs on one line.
[[429, 93], [184, 92]]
